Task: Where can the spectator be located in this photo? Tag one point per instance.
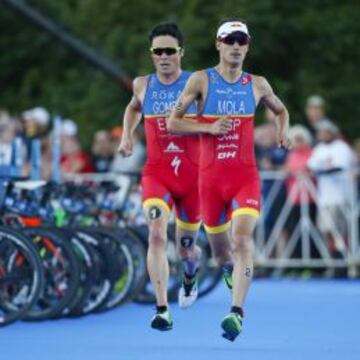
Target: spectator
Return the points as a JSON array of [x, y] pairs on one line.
[[36, 122], [297, 180], [357, 175], [68, 128], [270, 158], [102, 151], [74, 160], [296, 162], [314, 111], [7, 134], [46, 158], [36, 125], [116, 134], [268, 155], [330, 161]]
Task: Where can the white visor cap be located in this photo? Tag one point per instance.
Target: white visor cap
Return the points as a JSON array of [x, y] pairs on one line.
[[231, 27]]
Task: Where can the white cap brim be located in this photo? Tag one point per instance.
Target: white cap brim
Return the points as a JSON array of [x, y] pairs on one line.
[[231, 27]]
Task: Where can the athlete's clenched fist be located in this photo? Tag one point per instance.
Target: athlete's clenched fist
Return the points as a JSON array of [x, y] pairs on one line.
[[126, 146], [221, 126]]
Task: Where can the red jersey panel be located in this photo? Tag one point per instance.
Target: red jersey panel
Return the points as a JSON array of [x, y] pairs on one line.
[[229, 180]]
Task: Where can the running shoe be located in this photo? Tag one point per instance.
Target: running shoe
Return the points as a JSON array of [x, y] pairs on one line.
[[188, 293], [162, 321], [232, 326]]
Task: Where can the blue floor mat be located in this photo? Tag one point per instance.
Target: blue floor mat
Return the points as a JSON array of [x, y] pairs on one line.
[[305, 320]]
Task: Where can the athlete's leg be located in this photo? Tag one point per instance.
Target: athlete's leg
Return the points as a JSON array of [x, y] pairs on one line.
[[243, 253], [187, 250], [190, 254], [187, 226], [243, 225], [243, 248], [221, 249], [157, 262], [157, 207], [220, 244]]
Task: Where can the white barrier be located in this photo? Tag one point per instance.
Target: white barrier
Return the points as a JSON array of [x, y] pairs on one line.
[[275, 246], [306, 235]]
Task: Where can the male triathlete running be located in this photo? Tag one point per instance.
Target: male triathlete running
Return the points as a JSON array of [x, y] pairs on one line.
[[170, 175], [227, 98]]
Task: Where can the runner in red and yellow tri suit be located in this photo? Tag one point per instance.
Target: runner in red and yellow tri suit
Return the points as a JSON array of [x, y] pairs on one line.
[[229, 181], [171, 171], [170, 175]]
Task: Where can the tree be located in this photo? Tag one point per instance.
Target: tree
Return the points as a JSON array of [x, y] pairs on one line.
[[303, 47]]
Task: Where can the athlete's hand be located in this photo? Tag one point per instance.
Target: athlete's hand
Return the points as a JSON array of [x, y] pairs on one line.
[[282, 139], [126, 146], [221, 126]]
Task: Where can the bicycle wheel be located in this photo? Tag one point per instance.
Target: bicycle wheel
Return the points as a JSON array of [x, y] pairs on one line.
[[62, 274], [132, 261], [106, 271], [87, 265], [21, 275]]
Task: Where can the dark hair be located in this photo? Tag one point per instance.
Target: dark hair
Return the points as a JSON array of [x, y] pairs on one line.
[[231, 19], [170, 29]]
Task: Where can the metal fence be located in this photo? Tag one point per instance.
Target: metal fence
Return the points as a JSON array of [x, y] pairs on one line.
[[288, 233]]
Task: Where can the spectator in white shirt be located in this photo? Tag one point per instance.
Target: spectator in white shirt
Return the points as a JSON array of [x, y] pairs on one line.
[[331, 161]]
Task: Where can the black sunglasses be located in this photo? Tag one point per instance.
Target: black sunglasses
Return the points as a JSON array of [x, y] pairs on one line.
[[239, 37], [167, 50]]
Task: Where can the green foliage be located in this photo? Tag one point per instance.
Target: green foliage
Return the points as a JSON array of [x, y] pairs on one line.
[[302, 47]]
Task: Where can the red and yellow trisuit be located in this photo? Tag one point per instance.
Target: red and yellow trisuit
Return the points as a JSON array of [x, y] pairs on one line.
[[228, 179], [170, 175]]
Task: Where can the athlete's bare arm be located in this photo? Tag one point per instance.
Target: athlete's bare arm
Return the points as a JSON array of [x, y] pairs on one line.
[[132, 116], [195, 90], [265, 94]]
